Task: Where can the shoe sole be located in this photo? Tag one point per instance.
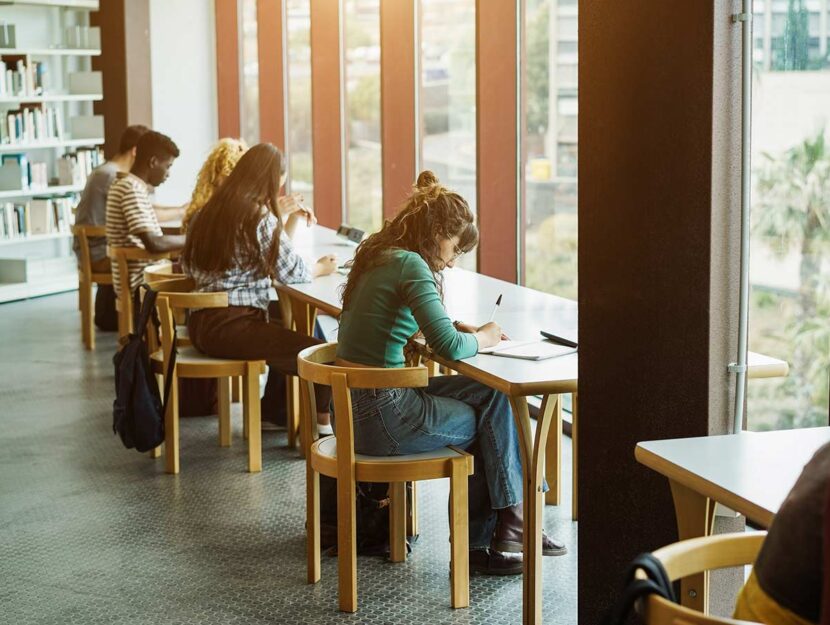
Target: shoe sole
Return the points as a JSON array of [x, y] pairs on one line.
[[511, 547], [503, 573]]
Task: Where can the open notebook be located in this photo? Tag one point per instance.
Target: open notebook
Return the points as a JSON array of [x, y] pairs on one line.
[[528, 350]]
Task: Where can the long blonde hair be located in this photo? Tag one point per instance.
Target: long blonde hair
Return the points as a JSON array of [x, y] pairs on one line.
[[217, 167]]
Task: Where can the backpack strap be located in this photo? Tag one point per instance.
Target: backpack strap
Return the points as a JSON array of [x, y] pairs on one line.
[[657, 583], [148, 313]]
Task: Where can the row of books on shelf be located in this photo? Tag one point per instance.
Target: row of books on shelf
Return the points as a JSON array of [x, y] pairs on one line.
[[32, 124], [73, 168], [21, 79], [38, 216]]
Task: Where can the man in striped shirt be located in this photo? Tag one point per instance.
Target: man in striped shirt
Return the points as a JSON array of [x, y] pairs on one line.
[[131, 219]]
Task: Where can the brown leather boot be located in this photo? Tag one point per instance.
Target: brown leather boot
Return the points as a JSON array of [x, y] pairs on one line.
[[509, 533]]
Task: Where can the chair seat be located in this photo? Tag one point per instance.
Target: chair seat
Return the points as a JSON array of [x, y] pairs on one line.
[[191, 363], [429, 465]]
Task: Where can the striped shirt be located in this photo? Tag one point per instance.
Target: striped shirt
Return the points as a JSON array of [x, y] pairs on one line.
[[250, 286], [130, 213]]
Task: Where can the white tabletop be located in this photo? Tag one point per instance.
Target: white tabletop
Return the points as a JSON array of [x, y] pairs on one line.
[[751, 472], [469, 297]]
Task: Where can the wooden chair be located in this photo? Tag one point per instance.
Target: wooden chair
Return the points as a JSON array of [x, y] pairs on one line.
[[86, 278], [175, 295], [119, 256], [692, 557], [322, 457]]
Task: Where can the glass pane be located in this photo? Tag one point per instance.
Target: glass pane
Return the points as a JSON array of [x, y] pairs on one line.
[[447, 97], [551, 147], [250, 74], [363, 167], [790, 259], [299, 99]]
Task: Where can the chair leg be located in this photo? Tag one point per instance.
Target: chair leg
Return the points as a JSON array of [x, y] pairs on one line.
[[292, 412], [251, 411], [412, 512], [245, 423], [224, 397], [346, 546], [397, 521], [312, 479], [236, 389], [171, 428], [459, 536], [87, 306]]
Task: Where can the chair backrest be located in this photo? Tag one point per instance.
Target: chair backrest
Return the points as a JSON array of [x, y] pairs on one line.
[[313, 367], [177, 295], [162, 270], [689, 557], [83, 232], [119, 257]]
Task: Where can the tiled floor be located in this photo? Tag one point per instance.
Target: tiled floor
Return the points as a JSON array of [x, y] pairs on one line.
[[91, 532]]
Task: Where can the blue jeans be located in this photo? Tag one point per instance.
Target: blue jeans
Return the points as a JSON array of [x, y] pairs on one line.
[[452, 410]]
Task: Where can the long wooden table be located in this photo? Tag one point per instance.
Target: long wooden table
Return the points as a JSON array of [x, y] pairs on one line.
[[470, 296], [750, 472]]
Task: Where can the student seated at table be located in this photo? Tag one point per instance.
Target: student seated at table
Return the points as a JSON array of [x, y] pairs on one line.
[[92, 211], [132, 220], [787, 585], [394, 290], [217, 167], [239, 242]]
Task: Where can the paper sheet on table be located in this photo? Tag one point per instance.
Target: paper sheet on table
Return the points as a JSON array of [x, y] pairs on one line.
[[528, 350]]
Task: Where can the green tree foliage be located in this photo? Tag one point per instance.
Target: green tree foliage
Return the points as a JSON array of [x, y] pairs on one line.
[[537, 63], [791, 213], [795, 53]]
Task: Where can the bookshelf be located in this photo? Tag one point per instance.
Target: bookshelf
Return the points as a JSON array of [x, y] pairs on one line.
[[50, 139]]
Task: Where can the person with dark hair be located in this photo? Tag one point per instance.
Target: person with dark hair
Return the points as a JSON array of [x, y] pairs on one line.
[[238, 243], [92, 210], [132, 221], [788, 583], [395, 291]]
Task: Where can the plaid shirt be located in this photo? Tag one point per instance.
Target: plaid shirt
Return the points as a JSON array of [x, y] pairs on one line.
[[249, 286]]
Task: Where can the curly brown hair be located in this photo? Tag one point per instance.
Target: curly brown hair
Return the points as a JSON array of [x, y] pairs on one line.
[[430, 214]]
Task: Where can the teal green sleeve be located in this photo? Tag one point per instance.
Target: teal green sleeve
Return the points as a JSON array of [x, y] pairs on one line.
[[420, 293]]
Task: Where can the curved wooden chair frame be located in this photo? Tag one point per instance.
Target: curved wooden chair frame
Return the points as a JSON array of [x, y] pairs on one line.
[[691, 557], [336, 458], [86, 278], [175, 296], [119, 256]]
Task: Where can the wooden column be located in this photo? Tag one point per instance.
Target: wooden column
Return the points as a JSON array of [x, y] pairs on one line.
[[271, 47], [227, 67], [327, 111], [659, 198], [497, 151], [397, 101], [125, 65]]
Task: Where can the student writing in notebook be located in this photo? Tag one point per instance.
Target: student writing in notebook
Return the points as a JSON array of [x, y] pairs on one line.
[[393, 291], [238, 242]]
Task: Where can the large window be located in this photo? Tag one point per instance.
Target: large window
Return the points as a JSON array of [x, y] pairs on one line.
[[790, 249], [447, 97], [249, 78], [298, 26], [550, 220], [362, 79]]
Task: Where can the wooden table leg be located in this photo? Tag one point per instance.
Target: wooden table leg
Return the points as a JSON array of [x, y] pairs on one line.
[[533, 454], [574, 457], [553, 456], [695, 518]]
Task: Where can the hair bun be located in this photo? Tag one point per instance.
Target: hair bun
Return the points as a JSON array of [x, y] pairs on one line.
[[426, 179]]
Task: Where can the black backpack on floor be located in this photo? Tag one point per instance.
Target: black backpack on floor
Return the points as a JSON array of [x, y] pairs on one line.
[[371, 514], [138, 412]]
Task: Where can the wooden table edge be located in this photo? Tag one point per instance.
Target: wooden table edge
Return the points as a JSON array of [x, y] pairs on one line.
[[701, 485]]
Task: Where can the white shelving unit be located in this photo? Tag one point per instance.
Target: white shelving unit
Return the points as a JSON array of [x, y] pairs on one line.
[[42, 264]]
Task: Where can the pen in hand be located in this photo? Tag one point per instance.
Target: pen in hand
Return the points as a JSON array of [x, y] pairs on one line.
[[495, 308]]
